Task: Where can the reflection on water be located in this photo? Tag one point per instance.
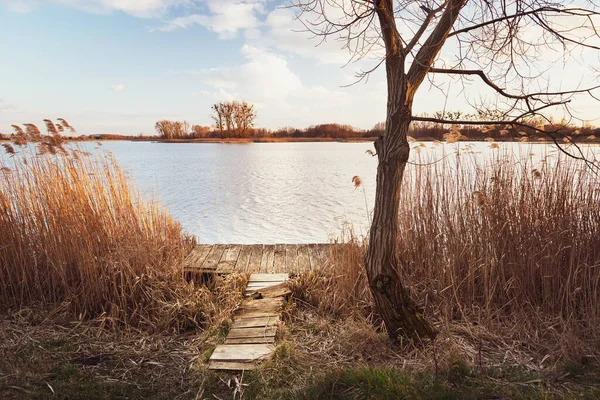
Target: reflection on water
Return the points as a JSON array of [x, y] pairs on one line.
[[271, 192]]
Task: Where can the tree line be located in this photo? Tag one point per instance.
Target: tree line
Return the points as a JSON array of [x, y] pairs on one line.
[[235, 119], [230, 123]]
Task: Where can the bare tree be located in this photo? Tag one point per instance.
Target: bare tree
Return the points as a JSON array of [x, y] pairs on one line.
[[227, 109], [498, 42], [219, 117], [200, 131], [244, 117], [173, 129], [233, 116]]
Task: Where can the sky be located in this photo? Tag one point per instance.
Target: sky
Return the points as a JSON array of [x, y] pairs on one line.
[[118, 66]]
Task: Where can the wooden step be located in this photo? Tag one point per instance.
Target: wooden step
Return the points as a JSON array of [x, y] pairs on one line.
[[268, 278], [254, 340], [255, 322], [252, 336]]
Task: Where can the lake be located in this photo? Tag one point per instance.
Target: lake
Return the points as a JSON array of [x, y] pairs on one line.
[[270, 192]]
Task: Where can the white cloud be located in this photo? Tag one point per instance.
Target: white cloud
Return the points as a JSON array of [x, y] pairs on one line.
[[266, 76], [224, 17], [118, 88], [286, 32], [19, 6], [138, 8], [282, 99]]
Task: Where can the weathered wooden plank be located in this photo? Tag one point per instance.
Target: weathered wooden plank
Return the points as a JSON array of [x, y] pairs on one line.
[[265, 331], [256, 313], [241, 352], [213, 258], [268, 257], [255, 322], [228, 259], [195, 259], [319, 255], [303, 259], [279, 259], [280, 290], [291, 261], [268, 277], [255, 258], [269, 304], [260, 308], [243, 259], [232, 366], [261, 285], [255, 340]]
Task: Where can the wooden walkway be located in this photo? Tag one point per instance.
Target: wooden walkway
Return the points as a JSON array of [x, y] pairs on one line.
[[251, 339], [259, 258], [252, 336]]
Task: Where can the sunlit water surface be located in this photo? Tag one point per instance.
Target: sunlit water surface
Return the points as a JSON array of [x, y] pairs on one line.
[[273, 192]]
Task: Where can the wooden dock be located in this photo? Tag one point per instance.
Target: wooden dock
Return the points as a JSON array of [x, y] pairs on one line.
[[260, 258], [251, 339], [252, 336]]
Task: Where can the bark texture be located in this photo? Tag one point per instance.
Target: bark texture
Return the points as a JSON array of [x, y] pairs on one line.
[[399, 312]]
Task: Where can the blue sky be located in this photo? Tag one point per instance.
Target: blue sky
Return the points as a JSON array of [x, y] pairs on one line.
[[118, 66]]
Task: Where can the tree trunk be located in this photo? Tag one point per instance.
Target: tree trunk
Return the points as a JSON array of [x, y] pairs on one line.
[[399, 312]]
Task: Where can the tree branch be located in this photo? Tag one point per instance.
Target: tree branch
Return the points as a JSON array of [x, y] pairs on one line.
[[501, 91], [432, 46], [423, 28], [535, 12]]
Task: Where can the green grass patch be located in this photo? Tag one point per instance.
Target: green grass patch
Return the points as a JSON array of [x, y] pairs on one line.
[[389, 383]]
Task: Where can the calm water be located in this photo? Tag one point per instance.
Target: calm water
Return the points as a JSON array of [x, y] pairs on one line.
[[270, 192], [255, 193]]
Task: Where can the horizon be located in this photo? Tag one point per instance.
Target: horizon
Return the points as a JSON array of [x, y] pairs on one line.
[[119, 67]]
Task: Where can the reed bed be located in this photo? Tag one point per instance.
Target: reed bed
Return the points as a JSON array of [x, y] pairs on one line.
[[505, 236], [74, 230], [504, 249]]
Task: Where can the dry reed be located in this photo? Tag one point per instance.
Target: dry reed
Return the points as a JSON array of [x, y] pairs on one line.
[[505, 236], [504, 249], [74, 230]]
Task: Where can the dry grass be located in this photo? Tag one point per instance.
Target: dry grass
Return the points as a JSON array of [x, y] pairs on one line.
[[503, 256], [44, 354], [506, 242], [73, 230]]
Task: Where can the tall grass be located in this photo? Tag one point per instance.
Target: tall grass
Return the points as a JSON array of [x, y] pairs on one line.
[[505, 243], [73, 229], [506, 235]]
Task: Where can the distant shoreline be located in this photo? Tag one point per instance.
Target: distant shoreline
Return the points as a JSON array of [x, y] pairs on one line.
[[331, 140], [255, 140], [297, 140]]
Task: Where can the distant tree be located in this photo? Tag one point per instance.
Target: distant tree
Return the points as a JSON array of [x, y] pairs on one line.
[[379, 128], [200, 131], [233, 118], [243, 117], [173, 129], [219, 117]]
